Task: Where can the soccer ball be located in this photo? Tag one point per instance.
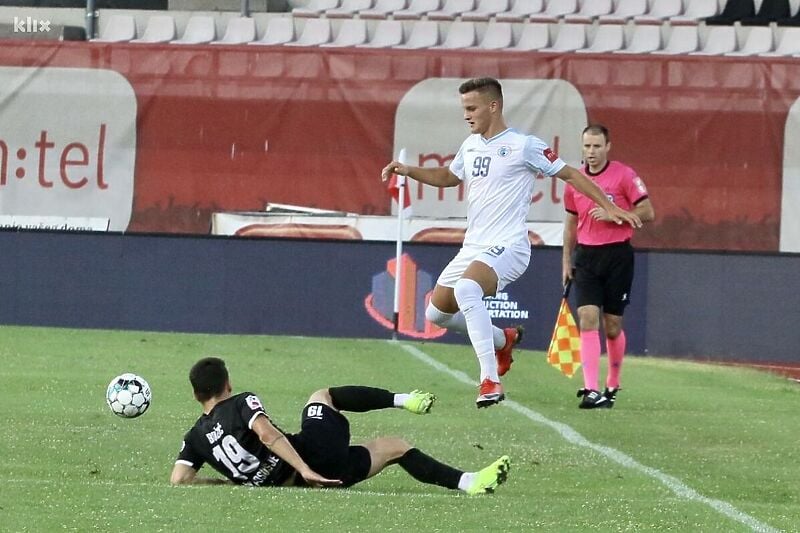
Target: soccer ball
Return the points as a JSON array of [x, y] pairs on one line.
[[128, 395]]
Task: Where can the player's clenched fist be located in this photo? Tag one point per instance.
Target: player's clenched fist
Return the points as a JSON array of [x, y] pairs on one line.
[[394, 167]]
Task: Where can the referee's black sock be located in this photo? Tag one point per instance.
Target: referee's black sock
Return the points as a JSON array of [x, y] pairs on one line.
[[426, 469], [360, 399]]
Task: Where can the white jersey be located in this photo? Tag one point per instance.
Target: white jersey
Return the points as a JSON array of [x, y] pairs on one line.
[[499, 174]]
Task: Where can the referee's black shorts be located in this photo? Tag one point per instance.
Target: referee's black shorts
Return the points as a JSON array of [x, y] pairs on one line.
[[604, 275], [324, 444]]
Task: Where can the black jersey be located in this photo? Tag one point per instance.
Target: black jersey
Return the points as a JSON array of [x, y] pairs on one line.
[[224, 439]]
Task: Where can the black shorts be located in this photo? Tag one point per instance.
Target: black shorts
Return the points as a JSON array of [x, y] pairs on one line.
[[324, 444], [604, 275]]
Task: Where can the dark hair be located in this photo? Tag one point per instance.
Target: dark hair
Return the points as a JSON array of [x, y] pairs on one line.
[[488, 86], [597, 129], [208, 377]]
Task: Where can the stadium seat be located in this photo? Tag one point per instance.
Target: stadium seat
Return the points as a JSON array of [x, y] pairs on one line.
[[696, 10], [485, 10], [200, 29], [119, 28], [626, 9], [646, 38], [417, 9], [451, 9], [660, 11], [459, 35], [239, 30], [315, 8], [159, 29], [498, 36], [387, 33], [555, 10], [570, 37], [788, 43], [607, 38], [315, 32], [348, 9], [279, 30], [770, 11], [424, 34], [521, 10], [720, 40], [534, 36], [382, 9], [794, 20], [352, 32], [734, 11], [682, 40], [759, 41], [589, 11]]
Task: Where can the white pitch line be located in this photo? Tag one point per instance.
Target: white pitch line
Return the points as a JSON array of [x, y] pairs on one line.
[[573, 437]]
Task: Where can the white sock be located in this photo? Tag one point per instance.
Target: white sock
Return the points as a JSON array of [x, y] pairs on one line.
[[456, 322], [400, 399], [466, 480], [469, 296]]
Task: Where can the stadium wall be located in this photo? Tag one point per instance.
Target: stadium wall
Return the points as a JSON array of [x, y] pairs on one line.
[[733, 307], [230, 128]]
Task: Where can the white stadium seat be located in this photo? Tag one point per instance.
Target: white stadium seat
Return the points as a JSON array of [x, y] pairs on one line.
[[352, 32], [424, 34], [486, 9], [387, 33], [159, 29], [589, 11], [348, 9], [521, 10], [279, 30], [200, 29], [555, 10], [459, 35], [239, 30], [570, 37], [382, 9], [646, 38], [759, 41], [660, 11], [607, 38], [696, 10], [626, 9], [119, 28], [788, 43], [534, 36], [315, 33], [498, 35], [681, 40], [720, 40], [315, 8]]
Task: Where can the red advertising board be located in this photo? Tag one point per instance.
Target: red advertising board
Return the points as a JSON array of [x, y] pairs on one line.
[[223, 128]]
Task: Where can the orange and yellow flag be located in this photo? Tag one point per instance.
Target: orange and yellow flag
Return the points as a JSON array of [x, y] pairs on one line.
[[565, 345]]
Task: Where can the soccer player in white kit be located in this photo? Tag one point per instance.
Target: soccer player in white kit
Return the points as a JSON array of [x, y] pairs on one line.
[[498, 165]]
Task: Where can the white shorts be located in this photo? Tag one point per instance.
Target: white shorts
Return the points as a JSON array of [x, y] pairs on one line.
[[508, 262]]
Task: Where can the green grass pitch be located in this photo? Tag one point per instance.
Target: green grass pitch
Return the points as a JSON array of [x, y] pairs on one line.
[[725, 437]]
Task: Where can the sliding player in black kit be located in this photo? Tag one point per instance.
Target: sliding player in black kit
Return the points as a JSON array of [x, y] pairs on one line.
[[236, 437]]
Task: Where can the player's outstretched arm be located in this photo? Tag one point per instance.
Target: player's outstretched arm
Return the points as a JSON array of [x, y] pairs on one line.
[[583, 184], [435, 176], [280, 446]]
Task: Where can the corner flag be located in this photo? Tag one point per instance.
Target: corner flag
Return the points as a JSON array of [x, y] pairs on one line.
[[564, 352], [398, 184]]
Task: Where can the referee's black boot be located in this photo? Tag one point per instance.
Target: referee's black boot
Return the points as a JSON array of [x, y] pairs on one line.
[[611, 396], [592, 399]]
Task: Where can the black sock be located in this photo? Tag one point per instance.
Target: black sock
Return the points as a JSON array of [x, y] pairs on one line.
[[360, 399], [428, 470]]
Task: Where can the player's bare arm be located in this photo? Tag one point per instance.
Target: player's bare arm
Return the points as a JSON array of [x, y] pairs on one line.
[[570, 240], [186, 475], [434, 176], [583, 184], [643, 209], [280, 446]]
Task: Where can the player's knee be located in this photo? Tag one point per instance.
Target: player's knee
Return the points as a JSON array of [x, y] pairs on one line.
[[468, 293], [613, 330], [321, 396], [434, 315], [397, 447]]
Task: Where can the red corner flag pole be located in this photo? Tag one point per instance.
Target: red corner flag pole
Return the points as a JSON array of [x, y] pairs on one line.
[[400, 188]]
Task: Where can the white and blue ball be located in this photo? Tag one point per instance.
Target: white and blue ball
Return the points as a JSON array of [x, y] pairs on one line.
[[128, 395]]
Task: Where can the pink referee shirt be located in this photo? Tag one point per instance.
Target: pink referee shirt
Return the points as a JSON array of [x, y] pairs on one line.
[[622, 186]]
